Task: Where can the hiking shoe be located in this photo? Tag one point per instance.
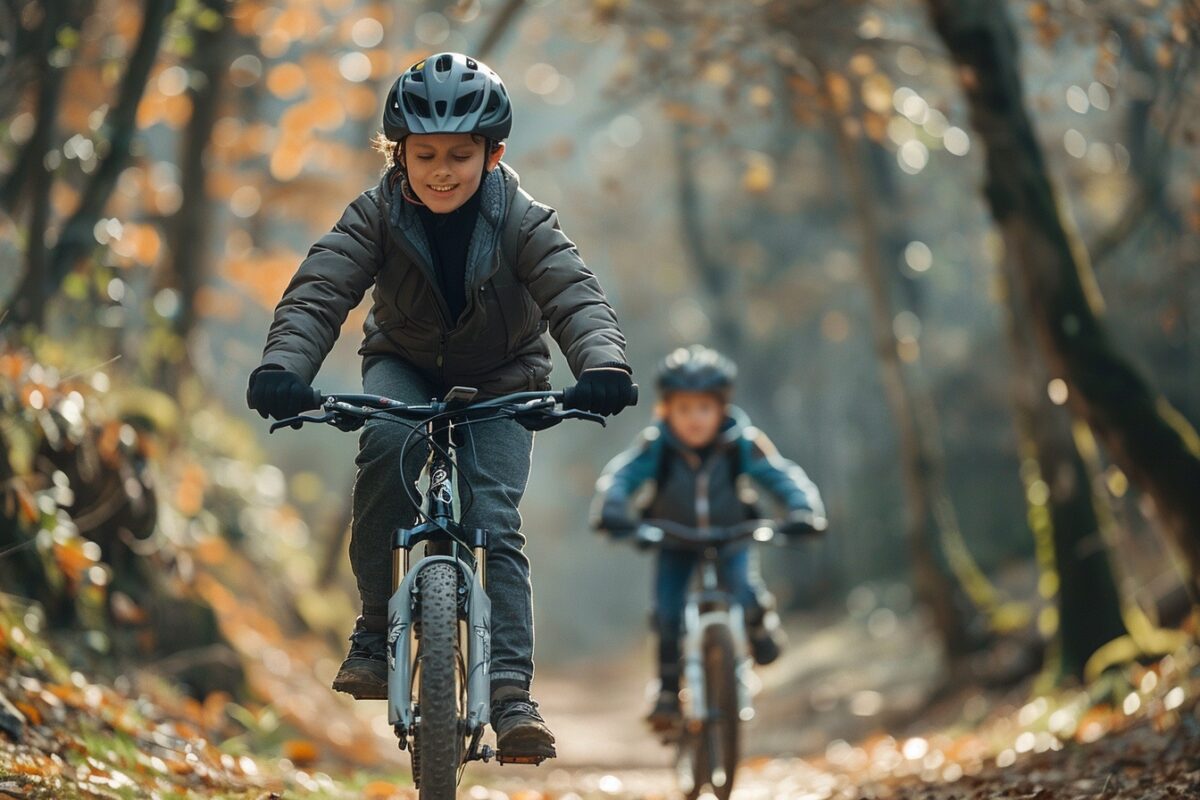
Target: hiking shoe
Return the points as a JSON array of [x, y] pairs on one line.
[[364, 675], [666, 715], [767, 638], [522, 736]]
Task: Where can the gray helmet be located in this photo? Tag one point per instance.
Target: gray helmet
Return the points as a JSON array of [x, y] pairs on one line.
[[697, 369], [448, 93]]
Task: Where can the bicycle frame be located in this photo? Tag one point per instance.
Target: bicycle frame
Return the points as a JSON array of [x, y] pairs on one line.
[[446, 542], [710, 606], [445, 539]]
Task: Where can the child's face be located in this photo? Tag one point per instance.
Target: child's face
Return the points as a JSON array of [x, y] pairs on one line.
[[694, 417], [444, 169]]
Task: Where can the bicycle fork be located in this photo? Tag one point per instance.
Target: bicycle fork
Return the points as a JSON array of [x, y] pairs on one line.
[[696, 623], [441, 530], [401, 715]]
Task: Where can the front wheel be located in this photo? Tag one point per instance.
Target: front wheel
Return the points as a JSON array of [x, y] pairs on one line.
[[711, 752], [439, 741]]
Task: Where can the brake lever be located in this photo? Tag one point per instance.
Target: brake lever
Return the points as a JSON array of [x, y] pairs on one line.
[[542, 418], [574, 413], [297, 421], [346, 422]]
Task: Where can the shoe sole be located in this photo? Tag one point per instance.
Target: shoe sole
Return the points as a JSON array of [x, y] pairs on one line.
[[360, 690], [664, 725], [360, 684]]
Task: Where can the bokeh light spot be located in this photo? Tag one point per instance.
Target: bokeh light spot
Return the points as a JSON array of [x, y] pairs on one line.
[[912, 156], [354, 67], [1057, 389], [918, 256], [367, 32]]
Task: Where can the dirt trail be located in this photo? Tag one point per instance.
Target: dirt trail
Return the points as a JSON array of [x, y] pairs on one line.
[[830, 670]]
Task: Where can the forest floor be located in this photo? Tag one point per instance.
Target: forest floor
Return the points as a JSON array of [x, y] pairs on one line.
[[831, 725]]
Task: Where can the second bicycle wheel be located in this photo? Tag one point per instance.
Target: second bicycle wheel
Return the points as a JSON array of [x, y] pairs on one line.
[[716, 747], [438, 737]]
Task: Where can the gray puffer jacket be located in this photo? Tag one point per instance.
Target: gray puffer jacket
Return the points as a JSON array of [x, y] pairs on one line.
[[524, 277]]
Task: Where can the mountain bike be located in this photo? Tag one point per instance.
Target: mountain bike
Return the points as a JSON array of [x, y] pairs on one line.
[[718, 672], [439, 616]]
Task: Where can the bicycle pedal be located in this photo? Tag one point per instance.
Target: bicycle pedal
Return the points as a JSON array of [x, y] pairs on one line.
[[526, 760]]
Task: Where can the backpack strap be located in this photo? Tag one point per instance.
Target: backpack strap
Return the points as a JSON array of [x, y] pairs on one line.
[[742, 454]]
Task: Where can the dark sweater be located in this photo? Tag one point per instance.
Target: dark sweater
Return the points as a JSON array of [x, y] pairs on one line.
[[449, 238]]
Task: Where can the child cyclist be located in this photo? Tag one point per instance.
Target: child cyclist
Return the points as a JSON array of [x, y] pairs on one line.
[[696, 456], [468, 273]]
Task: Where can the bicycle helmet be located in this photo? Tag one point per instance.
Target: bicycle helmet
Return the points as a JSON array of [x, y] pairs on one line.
[[697, 369], [448, 93]]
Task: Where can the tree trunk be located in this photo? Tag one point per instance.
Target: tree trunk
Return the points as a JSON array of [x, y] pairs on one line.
[[30, 177], [935, 590], [35, 46], [192, 223], [1072, 553], [502, 20], [77, 238], [716, 277], [1147, 438], [1149, 148]]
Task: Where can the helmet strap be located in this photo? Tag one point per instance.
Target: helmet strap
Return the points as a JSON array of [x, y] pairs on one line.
[[406, 190]]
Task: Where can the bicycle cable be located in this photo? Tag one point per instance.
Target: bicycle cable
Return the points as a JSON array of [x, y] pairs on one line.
[[423, 435], [420, 430]]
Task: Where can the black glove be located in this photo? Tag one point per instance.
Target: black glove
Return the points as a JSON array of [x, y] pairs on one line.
[[604, 390], [617, 526], [802, 522], [273, 391]]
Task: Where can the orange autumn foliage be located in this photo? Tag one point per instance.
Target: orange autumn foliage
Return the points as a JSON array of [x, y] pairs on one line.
[[286, 80]]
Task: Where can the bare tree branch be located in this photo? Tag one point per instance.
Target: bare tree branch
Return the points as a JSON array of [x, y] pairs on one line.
[[501, 22], [77, 238]]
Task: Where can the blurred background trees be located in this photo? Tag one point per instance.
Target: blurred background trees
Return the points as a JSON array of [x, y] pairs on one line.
[[883, 210]]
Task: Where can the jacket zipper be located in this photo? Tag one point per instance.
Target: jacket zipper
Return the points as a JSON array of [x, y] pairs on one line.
[[440, 302], [703, 506]]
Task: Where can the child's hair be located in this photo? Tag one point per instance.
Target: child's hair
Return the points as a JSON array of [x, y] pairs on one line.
[[389, 149]]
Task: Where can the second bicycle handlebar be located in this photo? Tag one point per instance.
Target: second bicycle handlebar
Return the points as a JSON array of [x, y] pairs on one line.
[[656, 531]]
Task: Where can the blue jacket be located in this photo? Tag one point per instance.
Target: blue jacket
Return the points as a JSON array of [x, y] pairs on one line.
[[664, 479]]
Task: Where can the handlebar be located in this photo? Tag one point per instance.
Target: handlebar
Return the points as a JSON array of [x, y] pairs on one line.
[[566, 397], [350, 411], [657, 531]]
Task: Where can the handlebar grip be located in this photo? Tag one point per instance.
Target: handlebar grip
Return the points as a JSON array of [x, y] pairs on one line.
[[568, 396], [317, 399]]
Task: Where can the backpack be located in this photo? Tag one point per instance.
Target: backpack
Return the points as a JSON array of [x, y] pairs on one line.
[[739, 457]]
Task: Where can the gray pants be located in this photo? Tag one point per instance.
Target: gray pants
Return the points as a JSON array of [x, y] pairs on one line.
[[493, 470]]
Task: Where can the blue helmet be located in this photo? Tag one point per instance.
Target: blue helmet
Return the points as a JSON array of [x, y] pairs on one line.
[[697, 369], [448, 93]]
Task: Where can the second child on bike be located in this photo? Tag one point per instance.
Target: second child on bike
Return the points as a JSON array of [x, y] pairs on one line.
[[696, 458], [468, 272]]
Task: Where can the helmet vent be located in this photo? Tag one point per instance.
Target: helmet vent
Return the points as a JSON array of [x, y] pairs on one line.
[[417, 77], [443, 63], [467, 103], [415, 104], [472, 64], [470, 76], [440, 107], [493, 103]]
